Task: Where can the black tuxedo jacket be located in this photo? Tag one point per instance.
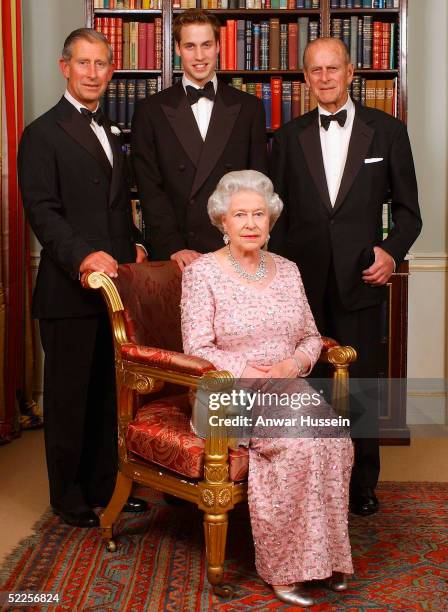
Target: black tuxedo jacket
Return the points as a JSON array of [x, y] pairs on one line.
[[76, 204], [177, 171], [313, 233]]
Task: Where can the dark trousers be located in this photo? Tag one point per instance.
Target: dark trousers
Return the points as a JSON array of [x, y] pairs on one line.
[[79, 411], [360, 329]]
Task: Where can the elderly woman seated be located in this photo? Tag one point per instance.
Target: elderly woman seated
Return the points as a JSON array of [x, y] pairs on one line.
[[245, 310]]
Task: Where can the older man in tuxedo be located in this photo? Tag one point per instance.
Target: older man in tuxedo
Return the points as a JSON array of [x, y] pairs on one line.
[[334, 167], [73, 183], [185, 138]]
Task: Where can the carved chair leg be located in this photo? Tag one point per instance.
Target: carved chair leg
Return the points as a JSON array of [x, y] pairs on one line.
[[110, 514], [215, 530]]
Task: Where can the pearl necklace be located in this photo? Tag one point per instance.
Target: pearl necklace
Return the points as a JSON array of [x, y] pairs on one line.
[[259, 274]]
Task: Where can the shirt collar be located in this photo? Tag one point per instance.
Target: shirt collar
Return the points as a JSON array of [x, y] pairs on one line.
[[186, 81], [68, 96], [348, 106]]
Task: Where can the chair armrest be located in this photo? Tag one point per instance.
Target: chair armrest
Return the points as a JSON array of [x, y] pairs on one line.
[[167, 360], [328, 343]]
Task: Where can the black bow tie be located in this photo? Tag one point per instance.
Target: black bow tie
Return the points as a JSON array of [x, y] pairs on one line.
[[194, 94], [340, 117], [97, 115]]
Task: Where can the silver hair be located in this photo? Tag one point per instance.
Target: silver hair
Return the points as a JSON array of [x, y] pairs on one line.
[[325, 39], [85, 34], [243, 180]]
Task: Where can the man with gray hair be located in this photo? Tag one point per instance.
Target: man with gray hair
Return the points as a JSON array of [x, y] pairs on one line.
[[333, 168], [73, 182]]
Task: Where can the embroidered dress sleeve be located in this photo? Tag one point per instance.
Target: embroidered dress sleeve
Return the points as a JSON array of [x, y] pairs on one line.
[[198, 307]]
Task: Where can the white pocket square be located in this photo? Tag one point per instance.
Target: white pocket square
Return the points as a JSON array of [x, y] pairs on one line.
[[373, 160]]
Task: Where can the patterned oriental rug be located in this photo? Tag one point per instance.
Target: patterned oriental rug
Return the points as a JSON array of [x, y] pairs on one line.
[[400, 555]]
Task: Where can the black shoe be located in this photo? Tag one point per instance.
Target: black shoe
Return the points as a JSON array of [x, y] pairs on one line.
[[134, 504], [364, 502], [87, 518]]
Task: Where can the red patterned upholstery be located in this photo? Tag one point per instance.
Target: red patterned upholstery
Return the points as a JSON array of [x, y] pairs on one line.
[[170, 360], [161, 434], [151, 294]]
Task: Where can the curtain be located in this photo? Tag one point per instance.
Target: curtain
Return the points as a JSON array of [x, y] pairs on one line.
[[17, 408]]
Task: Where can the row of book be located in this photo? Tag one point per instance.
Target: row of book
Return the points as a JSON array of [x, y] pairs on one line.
[[370, 4], [128, 4], [372, 44], [118, 102], [247, 4], [380, 94], [283, 100], [268, 45], [137, 45]]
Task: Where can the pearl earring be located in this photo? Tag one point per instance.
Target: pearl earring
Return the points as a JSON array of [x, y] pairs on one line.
[[226, 239]]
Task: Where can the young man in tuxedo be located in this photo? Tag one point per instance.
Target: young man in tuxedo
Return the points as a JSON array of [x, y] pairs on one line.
[[186, 137], [74, 190], [333, 168]]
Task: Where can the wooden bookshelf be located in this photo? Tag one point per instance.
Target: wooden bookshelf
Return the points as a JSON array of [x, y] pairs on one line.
[[394, 343]]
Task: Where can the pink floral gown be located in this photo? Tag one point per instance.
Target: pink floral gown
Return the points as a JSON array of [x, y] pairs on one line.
[[298, 487]]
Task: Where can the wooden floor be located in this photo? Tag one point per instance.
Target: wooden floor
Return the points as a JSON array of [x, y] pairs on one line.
[[24, 488]]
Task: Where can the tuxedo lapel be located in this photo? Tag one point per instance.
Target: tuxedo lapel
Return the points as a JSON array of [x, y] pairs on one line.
[[78, 128], [360, 141], [219, 130], [181, 118], [117, 169], [310, 142]]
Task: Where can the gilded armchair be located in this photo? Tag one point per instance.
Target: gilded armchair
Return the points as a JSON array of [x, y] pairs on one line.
[[156, 445]]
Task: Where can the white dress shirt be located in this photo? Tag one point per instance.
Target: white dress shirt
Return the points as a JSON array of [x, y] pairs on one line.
[[334, 143], [202, 110], [98, 129]]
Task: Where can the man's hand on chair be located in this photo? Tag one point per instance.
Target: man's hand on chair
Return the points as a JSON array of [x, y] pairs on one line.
[[99, 261]]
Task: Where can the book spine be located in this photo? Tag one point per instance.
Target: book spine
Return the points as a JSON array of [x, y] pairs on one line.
[[266, 91], [130, 98], [336, 28], [158, 42], [256, 46], [150, 46], [264, 45], [223, 48], [389, 96], [302, 39], [231, 44], [380, 94], [249, 45], [292, 46], [274, 44], [359, 44], [142, 45], [140, 89], [286, 102], [295, 99], [346, 25], [121, 103], [112, 101], [377, 45], [313, 30], [356, 89], [385, 46], [133, 48], [370, 93], [283, 46], [276, 102], [240, 43], [353, 39], [367, 41]]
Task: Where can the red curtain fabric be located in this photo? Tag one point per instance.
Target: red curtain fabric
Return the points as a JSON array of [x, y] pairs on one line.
[[15, 328]]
